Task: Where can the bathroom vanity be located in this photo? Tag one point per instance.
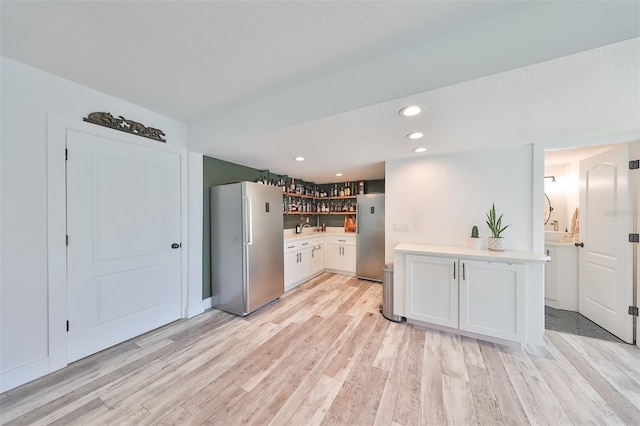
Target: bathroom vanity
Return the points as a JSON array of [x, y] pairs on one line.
[[561, 276]]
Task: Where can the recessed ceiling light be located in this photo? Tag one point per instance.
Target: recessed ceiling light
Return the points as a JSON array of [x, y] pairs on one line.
[[410, 110], [415, 135], [299, 158], [421, 149], [338, 174]]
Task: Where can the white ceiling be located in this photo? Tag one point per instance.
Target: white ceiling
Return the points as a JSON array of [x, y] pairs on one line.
[[260, 82]]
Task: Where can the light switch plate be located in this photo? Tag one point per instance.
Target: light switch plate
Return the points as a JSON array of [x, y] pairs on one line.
[[401, 226]]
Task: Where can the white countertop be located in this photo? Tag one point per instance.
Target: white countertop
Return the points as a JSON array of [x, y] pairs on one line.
[[559, 243], [289, 234], [467, 253]]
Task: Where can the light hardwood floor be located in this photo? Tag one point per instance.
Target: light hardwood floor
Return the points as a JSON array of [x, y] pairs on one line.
[[324, 355]]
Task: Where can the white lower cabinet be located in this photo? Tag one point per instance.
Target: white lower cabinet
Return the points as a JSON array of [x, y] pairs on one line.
[[302, 260], [317, 258], [306, 257], [432, 290], [341, 254], [492, 299], [486, 298]]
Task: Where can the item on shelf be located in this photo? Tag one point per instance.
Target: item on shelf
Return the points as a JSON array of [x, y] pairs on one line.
[[496, 242], [349, 224]]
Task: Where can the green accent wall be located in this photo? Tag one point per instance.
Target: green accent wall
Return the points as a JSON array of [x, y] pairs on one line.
[[219, 172], [374, 186]]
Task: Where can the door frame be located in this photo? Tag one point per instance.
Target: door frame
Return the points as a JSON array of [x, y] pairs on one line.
[[538, 187], [57, 127]]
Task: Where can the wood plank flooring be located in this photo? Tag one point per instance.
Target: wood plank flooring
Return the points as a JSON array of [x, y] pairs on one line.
[[324, 355]]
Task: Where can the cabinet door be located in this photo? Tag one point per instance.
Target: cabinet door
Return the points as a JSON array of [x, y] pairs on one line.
[[550, 292], [492, 299], [432, 290], [334, 256], [305, 264], [349, 259], [317, 259], [291, 268], [565, 276]]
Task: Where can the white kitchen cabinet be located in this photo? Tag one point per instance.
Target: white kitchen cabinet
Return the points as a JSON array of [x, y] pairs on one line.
[[561, 277], [317, 258], [341, 254], [297, 267], [349, 258], [291, 269], [480, 297], [492, 299], [299, 262], [432, 290]]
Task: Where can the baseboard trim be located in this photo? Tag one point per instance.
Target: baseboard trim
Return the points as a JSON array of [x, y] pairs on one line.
[[20, 375], [198, 308], [446, 329]]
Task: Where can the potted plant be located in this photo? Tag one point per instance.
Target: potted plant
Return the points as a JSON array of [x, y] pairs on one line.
[[475, 242], [496, 242]]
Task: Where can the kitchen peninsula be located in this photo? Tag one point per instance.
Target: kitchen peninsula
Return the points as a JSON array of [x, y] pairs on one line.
[[478, 293]]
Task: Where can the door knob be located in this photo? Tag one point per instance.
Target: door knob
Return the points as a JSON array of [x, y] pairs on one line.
[[175, 245], [579, 244]]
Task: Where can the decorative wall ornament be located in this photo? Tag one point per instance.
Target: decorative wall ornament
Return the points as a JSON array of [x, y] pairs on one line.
[[125, 125]]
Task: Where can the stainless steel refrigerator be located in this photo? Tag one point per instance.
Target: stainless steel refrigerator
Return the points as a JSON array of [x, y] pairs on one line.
[[370, 237], [247, 261]]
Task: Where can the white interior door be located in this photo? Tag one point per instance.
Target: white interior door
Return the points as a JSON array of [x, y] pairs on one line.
[[605, 281], [123, 215]]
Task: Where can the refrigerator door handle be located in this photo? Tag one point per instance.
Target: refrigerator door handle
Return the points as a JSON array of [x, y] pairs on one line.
[[248, 219], [357, 218]]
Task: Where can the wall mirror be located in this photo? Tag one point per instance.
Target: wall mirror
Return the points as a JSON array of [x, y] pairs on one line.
[[547, 209]]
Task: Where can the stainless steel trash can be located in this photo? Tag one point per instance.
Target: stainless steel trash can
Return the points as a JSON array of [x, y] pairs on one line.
[[387, 295]]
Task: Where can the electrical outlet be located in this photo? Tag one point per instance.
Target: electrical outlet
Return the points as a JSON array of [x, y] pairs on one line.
[[401, 226]]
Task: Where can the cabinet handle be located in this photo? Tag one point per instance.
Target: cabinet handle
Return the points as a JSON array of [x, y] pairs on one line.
[[305, 244], [548, 252], [454, 270], [313, 252], [464, 276], [290, 247]]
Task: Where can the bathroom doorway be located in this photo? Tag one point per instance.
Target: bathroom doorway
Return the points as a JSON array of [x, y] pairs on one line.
[[589, 201]]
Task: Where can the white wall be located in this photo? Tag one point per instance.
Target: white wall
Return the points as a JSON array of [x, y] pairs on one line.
[[442, 197], [28, 96]]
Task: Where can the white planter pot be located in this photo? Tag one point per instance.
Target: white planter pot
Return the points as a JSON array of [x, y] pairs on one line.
[[496, 244], [475, 243]]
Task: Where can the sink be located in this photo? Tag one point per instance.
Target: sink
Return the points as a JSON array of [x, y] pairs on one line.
[[553, 236]]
